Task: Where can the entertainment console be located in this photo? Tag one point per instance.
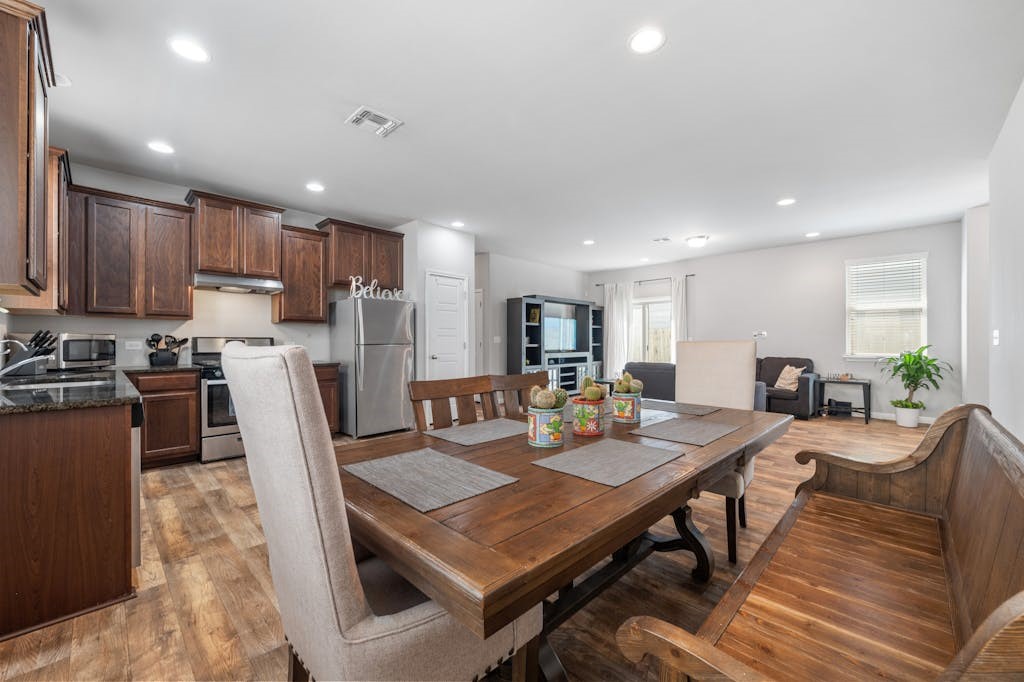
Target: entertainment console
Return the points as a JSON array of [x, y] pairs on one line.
[[563, 337]]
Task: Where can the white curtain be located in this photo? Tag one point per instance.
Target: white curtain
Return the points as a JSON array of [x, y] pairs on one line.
[[679, 330], [618, 308]]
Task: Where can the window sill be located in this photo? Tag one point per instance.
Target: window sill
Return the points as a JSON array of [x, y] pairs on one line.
[[866, 358]]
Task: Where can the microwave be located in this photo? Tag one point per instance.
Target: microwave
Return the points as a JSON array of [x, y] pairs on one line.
[[75, 351]]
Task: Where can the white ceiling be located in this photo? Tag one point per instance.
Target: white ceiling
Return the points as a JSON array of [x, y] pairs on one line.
[[532, 122]]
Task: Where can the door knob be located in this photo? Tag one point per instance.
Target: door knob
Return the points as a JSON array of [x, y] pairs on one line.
[[433, 357]]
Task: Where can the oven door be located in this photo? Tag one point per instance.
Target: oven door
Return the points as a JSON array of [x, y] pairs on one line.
[[218, 412]]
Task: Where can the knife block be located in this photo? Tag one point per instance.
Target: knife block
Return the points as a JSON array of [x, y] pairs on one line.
[[29, 370]]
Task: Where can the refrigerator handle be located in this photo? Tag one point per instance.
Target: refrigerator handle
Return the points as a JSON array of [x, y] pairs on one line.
[[359, 367]]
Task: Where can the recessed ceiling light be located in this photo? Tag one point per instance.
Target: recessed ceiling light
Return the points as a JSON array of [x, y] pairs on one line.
[[588, 242], [697, 242], [458, 223], [662, 240], [785, 201], [62, 80], [189, 49], [314, 186], [812, 235], [161, 147], [646, 40], [644, 260]]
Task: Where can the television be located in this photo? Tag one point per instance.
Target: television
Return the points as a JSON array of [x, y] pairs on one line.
[[559, 334]]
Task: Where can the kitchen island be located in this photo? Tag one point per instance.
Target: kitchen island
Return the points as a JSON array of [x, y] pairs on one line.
[[68, 496]]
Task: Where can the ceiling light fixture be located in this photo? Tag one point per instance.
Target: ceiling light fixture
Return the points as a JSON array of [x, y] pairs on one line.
[[698, 241], [812, 235], [647, 40], [644, 260], [314, 186], [785, 201], [189, 49], [588, 242], [161, 147], [458, 223]]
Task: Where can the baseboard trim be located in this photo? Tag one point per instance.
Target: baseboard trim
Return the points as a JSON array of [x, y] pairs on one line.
[[891, 417]]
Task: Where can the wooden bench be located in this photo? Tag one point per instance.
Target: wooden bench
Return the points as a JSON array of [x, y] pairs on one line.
[[907, 569]]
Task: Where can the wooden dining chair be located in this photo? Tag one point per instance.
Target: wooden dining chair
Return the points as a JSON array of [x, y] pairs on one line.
[[440, 393], [345, 617], [514, 390]]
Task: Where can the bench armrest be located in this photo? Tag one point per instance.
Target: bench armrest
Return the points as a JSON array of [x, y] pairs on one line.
[[677, 649]]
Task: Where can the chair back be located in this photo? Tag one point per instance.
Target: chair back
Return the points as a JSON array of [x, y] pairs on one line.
[[439, 395], [294, 475], [718, 373], [515, 391]]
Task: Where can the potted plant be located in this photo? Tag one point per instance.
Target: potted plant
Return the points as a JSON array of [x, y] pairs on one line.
[[626, 399], [545, 417], [588, 409], [917, 371]]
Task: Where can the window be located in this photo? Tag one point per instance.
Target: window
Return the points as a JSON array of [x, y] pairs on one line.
[[650, 338], [886, 305]]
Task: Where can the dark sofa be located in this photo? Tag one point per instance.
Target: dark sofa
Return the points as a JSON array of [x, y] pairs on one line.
[[799, 403]]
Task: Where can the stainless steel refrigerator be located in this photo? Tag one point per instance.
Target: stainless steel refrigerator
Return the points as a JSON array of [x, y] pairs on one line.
[[374, 340]]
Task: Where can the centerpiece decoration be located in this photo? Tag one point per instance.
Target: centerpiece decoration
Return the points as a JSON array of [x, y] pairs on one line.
[[917, 371], [588, 409], [626, 399], [545, 416]]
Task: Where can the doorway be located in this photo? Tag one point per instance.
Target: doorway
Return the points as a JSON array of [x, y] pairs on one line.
[[447, 326]]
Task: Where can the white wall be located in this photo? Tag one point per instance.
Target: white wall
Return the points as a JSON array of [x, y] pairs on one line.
[[503, 277], [1006, 244], [432, 248], [797, 294], [975, 337]]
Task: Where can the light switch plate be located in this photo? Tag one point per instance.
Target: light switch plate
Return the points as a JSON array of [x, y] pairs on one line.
[[133, 345], [497, 339], [995, 337]]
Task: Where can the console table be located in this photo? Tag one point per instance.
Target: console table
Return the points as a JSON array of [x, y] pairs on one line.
[[865, 384]]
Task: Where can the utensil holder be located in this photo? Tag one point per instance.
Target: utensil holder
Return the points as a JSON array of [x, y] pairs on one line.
[[163, 358]]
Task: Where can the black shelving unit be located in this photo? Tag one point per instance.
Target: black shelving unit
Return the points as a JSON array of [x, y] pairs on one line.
[[597, 341], [526, 328]]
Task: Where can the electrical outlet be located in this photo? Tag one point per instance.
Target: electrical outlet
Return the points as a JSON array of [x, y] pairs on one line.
[[133, 345]]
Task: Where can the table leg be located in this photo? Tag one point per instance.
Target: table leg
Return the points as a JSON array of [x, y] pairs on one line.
[[525, 662], [551, 668], [691, 540]]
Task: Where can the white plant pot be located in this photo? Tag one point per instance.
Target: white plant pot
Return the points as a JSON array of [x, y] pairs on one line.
[[908, 416]]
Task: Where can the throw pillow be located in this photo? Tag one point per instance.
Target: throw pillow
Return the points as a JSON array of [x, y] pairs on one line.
[[789, 378]]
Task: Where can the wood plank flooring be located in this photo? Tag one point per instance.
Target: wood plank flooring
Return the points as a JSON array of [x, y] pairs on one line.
[[206, 607]]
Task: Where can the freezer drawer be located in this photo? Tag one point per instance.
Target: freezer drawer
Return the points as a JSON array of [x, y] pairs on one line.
[[381, 389]]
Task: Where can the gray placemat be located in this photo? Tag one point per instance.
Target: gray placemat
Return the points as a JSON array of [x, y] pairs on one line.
[[611, 462], [679, 408], [480, 432], [692, 431], [427, 479]]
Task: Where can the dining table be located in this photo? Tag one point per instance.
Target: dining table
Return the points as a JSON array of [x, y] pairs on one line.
[[490, 558]]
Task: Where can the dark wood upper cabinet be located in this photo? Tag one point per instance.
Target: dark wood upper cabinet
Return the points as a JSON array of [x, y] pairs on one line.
[[369, 252], [303, 273], [386, 259], [113, 232], [236, 237], [25, 74], [167, 274]]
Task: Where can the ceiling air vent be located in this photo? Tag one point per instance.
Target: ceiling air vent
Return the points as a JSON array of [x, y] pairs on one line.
[[381, 124]]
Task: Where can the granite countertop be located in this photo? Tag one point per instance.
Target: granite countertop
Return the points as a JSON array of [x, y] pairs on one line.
[[149, 369], [115, 390]]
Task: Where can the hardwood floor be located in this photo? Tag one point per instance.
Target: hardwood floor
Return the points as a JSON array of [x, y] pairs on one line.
[[206, 607]]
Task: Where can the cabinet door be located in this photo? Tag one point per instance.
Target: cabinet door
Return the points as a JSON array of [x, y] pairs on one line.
[[305, 293], [350, 254], [112, 232], [167, 289], [329, 396], [386, 260], [218, 236], [171, 426], [36, 263], [261, 243], [61, 204]]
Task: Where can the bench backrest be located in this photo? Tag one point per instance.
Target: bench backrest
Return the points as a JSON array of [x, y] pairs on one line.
[[985, 518]]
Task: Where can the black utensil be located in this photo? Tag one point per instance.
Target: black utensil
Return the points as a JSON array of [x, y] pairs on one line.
[[46, 339], [169, 342], [35, 337], [154, 341]]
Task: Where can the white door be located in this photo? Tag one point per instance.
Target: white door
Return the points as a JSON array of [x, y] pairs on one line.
[[478, 327], [447, 331]]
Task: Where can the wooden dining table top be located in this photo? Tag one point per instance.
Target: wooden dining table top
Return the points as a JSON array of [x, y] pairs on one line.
[[490, 558]]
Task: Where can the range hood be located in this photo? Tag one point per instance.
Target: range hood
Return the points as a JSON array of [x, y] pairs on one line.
[[238, 285]]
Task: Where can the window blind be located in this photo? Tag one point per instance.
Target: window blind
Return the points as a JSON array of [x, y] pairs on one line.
[[886, 305]]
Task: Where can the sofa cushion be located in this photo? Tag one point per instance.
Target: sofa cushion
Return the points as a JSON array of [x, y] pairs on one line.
[[783, 393], [771, 368], [789, 378]]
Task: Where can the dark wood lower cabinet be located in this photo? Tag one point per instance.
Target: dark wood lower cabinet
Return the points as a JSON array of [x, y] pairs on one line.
[[65, 501], [328, 383], [170, 403]]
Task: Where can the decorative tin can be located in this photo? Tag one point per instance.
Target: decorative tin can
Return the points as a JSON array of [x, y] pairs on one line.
[[588, 417], [626, 408], [545, 427]]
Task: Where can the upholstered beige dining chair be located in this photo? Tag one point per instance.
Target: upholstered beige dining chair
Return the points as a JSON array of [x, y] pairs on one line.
[[721, 374], [346, 618]]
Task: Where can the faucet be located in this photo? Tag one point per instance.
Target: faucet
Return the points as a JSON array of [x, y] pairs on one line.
[[9, 369]]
